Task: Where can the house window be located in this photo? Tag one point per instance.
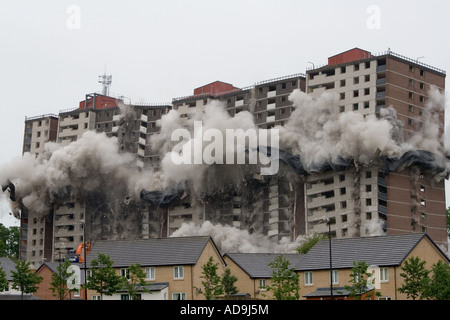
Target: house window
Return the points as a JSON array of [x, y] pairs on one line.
[[150, 273], [309, 278], [384, 274], [178, 272], [179, 296], [125, 273], [124, 297], [262, 284], [384, 298], [355, 80], [96, 297], [335, 276]]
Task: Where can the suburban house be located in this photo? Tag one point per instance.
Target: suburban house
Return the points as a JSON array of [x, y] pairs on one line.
[[44, 291], [173, 266], [385, 254], [11, 294], [253, 271]]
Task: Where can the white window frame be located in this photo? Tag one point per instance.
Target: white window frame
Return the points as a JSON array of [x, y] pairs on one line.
[[384, 274], [178, 272], [150, 273], [262, 284], [309, 280], [124, 272], [182, 294], [335, 276]]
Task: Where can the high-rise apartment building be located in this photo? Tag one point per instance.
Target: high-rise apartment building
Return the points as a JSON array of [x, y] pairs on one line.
[[38, 131], [263, 207], [407, 200], [72, 218]]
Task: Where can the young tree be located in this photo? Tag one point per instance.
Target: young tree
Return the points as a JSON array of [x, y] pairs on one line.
[[438, 287], [284, 282], [136, 281], [212, 284], [9, 242], [3, 280], [24, 279], [358, 279], [228, 281], [415, 278], [58, 286], [103, 277]]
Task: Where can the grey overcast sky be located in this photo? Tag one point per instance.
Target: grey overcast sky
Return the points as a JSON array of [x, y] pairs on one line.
[[53, 51]]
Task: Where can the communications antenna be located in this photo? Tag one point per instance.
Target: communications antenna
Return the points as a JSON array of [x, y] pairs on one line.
[[105, 80]]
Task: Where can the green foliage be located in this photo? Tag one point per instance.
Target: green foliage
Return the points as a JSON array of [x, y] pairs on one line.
[[419, 283], [3, 280], [310, 242], [359, 278], [284, 282], [212, 284], [103, 277], [448, 222], [415, 277], [438, 286], [228, 281], [9, 242], [24, 279], [58, 286], [136, 281]]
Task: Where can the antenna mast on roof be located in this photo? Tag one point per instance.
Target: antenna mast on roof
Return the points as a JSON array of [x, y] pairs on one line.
[[106, 82]]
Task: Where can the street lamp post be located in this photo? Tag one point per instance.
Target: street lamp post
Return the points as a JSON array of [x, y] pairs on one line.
[[331, 263], [85, 258]]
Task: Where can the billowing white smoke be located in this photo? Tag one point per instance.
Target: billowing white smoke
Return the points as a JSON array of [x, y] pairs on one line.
[[230, 239], [214, 117], [317, 131], [86, 164], [429, 133]]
